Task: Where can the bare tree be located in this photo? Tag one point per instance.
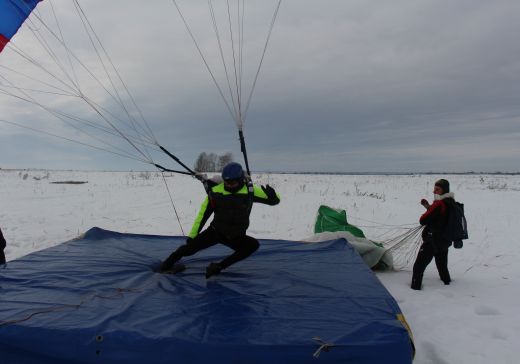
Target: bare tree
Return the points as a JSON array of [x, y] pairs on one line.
[[211, 162], [201, 163], [223, 160]]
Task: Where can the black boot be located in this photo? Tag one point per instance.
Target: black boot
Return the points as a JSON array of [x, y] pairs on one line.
[[416, 282], [173, 258], [445, 277], [169, 262]]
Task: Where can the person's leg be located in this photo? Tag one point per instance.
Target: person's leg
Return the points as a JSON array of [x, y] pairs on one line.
[[424, 257], [441, 261], [204, 240], [243, 247]]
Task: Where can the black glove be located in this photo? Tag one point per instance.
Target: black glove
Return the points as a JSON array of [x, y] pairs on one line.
[[189, 240], [269, 191]]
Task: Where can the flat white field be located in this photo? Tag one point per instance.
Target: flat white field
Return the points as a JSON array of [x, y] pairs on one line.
[[474, 320]]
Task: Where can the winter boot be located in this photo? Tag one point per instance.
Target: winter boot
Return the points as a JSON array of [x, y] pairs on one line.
[[168, 263], [416, 282], [445, 277], [173, 258]]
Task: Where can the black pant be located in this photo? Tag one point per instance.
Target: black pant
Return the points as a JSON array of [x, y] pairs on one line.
[[427, 252], [243, 247]]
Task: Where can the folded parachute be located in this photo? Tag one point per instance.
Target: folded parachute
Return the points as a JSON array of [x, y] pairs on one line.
[[332, 224]]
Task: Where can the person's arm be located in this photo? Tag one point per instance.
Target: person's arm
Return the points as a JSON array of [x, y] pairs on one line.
[[266, 195], [425, 203], [434, 210], [204, 213]]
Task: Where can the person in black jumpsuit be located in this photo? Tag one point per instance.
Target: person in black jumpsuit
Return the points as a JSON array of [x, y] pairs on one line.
[[230, 202]]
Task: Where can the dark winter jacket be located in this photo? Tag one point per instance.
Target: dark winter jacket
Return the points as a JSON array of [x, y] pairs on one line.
[[435, 220], [2, 241], [2, 247], [231, 210]]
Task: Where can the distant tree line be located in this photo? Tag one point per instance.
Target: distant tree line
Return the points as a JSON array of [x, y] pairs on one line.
[[212, 162]]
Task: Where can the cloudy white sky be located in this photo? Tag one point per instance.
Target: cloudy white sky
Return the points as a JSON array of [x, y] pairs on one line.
[[346, 86]]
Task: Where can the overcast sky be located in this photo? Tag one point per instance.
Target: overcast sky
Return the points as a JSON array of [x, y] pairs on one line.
[[345, 86]]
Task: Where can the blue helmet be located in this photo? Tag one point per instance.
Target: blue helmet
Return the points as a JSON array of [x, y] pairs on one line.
[[231, 171]]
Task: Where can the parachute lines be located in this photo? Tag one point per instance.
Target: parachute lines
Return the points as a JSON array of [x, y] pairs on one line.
[[236, 107], [60, 72]]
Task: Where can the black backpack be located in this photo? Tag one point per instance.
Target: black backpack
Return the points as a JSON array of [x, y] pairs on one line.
[[456, 228]]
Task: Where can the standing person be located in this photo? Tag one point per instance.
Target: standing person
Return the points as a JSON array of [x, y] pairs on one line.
[[231, 202], [2, 247], [434, 244]]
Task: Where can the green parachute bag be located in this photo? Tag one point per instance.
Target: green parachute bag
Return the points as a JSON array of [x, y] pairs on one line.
[[333, 220]]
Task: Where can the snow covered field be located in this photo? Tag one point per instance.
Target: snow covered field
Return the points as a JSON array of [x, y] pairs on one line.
[[474, 320]]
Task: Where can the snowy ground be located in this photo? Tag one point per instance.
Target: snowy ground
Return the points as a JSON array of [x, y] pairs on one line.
[[474, 320]]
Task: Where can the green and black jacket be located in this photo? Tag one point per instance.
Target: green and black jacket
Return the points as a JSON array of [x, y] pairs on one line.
[[231, 210]]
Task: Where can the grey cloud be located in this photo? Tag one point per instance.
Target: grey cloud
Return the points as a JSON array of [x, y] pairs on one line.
[[345, 86]]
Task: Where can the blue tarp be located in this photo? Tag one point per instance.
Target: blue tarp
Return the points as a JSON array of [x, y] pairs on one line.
[[98, 300]]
